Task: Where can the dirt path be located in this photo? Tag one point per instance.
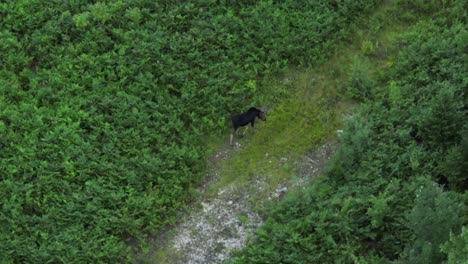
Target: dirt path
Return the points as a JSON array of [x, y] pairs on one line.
[[216, 227]]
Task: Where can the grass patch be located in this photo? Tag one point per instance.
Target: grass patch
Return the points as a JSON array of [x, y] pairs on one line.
[[306, 118]]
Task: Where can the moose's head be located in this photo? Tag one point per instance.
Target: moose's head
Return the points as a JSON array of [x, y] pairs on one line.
[[262, 112], [262, 115]]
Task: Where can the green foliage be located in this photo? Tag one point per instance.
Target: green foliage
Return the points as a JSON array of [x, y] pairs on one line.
[[104, 107], [359, 84], [367, 47], [394, 93], [457, 247], [435, 215], [454, 166]]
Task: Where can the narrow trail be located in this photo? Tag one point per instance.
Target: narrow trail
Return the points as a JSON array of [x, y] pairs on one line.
[[215, 227]]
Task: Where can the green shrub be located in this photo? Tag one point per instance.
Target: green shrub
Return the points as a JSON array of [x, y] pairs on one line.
[[359, 84], [435, 215], [457, 247]]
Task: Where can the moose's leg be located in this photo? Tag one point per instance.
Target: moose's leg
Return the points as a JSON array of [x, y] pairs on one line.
[[247, 127], [232, 135]]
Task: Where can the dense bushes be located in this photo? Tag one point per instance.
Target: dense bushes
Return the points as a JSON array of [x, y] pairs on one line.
[[434, 216], [103, 106], [359, 84], [394, 191]]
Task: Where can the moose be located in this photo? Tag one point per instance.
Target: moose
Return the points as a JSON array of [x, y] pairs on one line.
[[248, 118]]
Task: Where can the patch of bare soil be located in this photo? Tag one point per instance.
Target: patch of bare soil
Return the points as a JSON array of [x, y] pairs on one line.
[[214, 228]]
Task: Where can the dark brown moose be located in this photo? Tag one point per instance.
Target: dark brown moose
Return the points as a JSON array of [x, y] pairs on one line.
[[248, 118]]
